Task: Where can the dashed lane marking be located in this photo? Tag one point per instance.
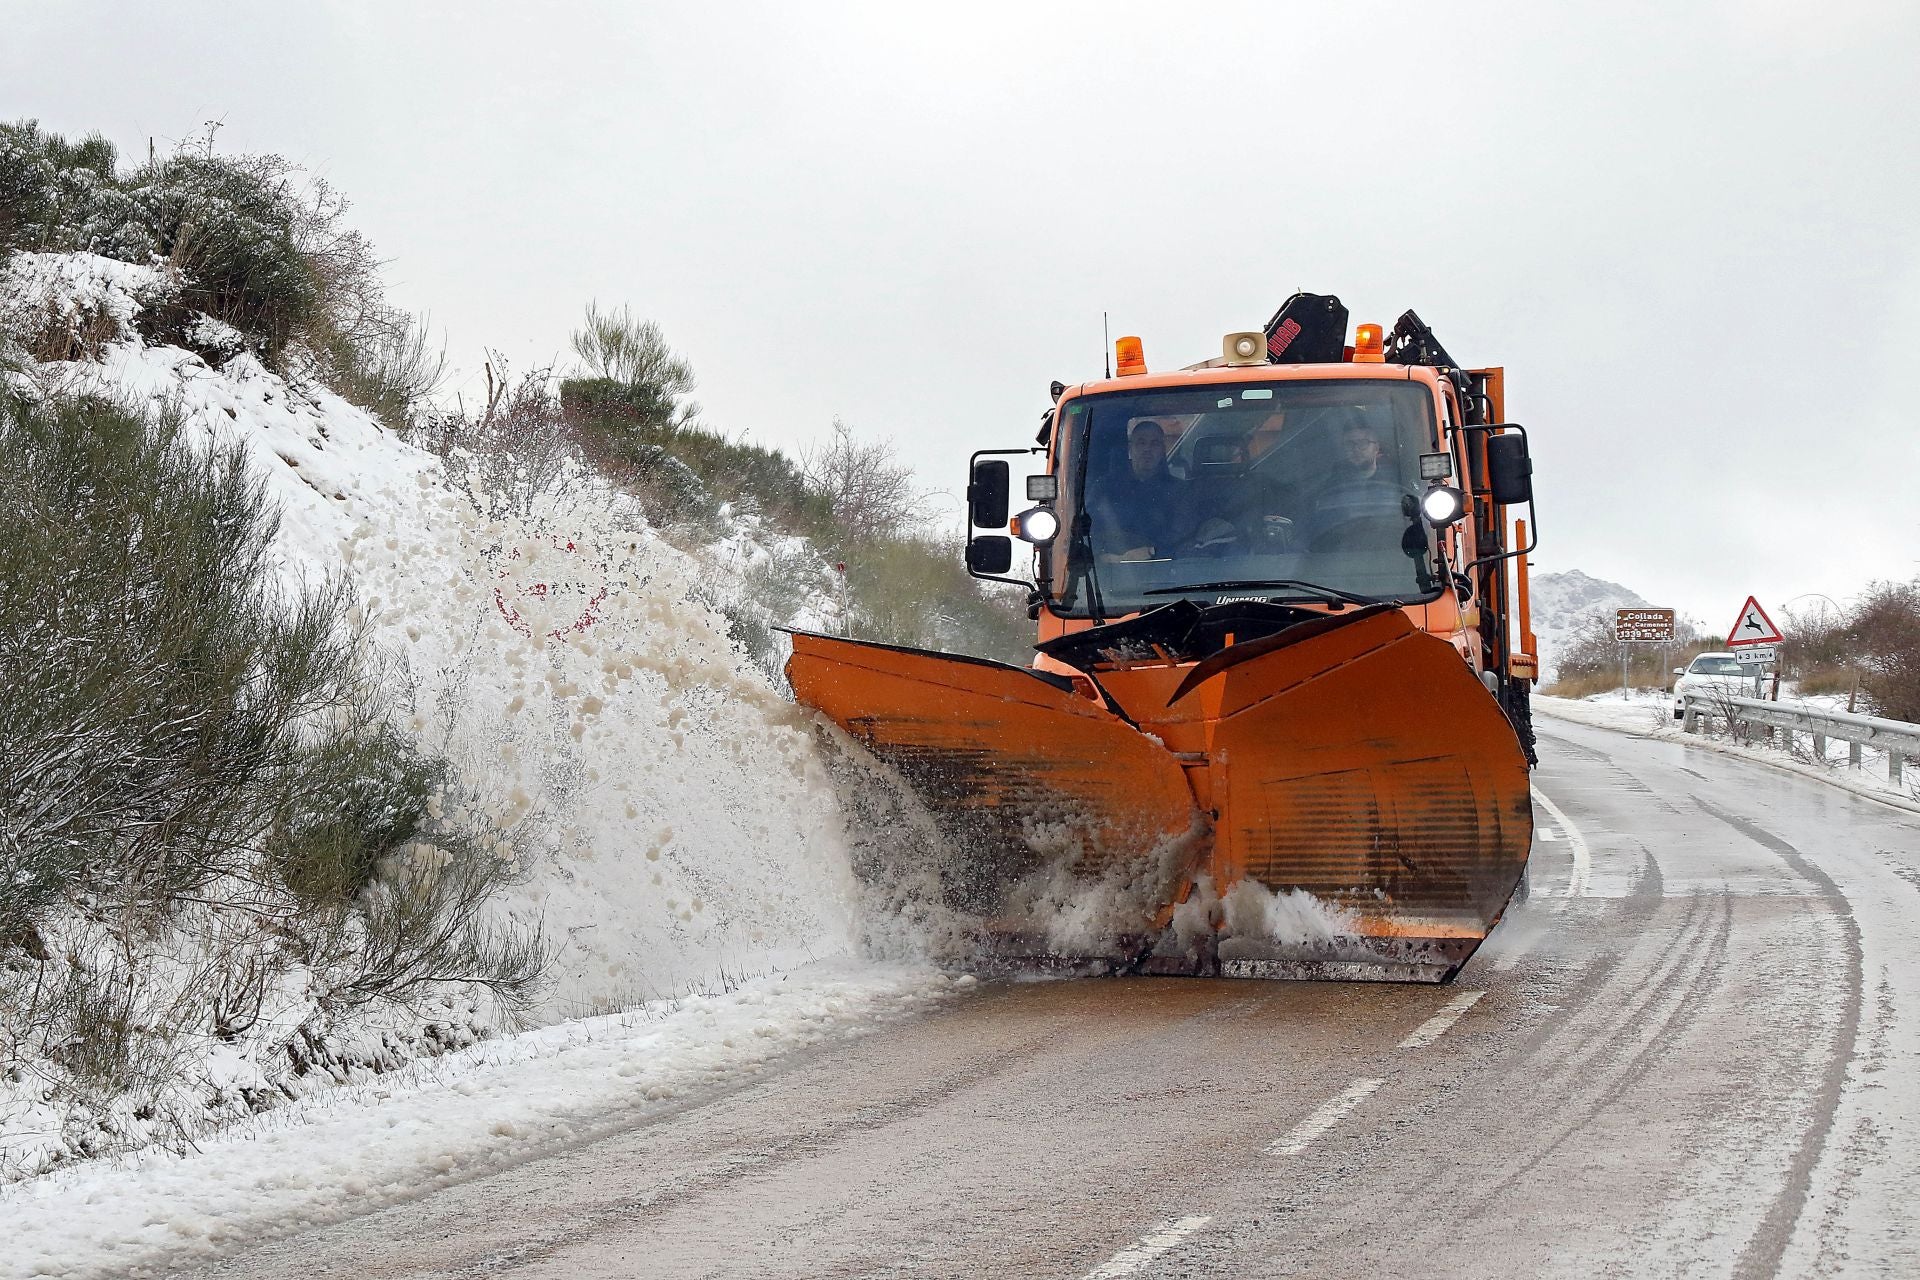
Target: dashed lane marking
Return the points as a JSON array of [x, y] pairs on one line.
[[1147, 1248], [1324, 1117], [1433, 1028], [1582, 857]]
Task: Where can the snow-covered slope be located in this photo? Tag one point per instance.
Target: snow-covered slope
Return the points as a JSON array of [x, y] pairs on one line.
[[669, 812], [1562, 601], [681, 822]]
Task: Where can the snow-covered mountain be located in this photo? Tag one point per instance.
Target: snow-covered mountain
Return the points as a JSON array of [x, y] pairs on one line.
[[1562, 601]]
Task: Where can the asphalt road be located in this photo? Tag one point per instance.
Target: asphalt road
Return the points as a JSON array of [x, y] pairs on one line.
[[1694, 1051]]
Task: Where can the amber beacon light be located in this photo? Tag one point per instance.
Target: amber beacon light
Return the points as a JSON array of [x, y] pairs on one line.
[[1369, 342], [1129, 357]]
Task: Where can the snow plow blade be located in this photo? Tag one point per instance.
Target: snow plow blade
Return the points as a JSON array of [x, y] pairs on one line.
[[1011, 763], [1362, 802]]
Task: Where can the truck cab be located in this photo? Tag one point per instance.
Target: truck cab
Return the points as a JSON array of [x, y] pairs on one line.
[[1382, 476]]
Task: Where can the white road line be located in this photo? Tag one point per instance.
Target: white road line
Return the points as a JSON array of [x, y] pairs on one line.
[[1147, 1248], [1582, 859], [1324, 1117], [1430, 1030]]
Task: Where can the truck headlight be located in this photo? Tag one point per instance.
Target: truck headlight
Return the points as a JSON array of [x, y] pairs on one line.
[[1442, 505], [1037, 525]]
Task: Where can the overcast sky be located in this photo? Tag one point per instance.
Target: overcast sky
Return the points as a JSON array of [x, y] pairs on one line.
[[1691, 233]]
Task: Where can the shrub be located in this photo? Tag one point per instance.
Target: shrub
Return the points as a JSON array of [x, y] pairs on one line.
[[1885, 629], [633, 355], [27, 200], [229, 226], [146, 673], [1591, 660], [1824, 680], [1584, 685], [912, 590], [515, 448], [1815, 639], [172, 726], [870, 490], [253, 242], [681, 470], [631, 419], [392, 371], [357, 796]]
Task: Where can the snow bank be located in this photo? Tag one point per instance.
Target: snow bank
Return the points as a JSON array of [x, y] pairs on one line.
[[1649, 713], [349, 1151]]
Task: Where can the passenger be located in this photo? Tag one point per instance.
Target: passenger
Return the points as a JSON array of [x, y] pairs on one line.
[[1140, 513]]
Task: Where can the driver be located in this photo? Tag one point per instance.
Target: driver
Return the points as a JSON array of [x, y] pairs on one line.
[[1359, 488], [1360, 454], [1143, 511]]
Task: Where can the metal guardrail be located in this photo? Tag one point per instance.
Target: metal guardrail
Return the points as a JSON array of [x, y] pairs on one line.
[[1896, 737]]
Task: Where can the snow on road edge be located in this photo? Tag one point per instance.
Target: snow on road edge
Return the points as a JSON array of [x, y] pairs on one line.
[[351, 1150], [1652, 718]]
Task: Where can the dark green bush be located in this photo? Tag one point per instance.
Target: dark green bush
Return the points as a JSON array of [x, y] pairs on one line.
[[252, 244], [229, 224], [356, 797], [169, 721], [28, 202], [632, 355], [683, 470], [148, 676]]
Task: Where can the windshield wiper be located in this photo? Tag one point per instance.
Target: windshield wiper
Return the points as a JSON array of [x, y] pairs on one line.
[[1240, 584]]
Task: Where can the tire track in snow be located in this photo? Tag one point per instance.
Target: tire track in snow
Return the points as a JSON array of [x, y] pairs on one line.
[[1763, 1252]]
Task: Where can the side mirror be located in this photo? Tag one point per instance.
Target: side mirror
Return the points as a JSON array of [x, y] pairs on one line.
[[1679, 671], [987, 495], [991, 553], [1509, 469]]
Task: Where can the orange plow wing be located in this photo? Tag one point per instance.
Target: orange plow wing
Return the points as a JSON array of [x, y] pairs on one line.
[[1016, 768], [1342, 799]]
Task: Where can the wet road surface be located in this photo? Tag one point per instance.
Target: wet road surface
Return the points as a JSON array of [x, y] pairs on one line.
[[1694, 1051]]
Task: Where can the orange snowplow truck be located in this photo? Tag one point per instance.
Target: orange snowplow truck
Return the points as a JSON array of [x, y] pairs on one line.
[[1277, 724]]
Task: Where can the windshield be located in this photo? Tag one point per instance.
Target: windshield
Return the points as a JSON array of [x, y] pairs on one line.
[[1715, 667], [1211, 491]]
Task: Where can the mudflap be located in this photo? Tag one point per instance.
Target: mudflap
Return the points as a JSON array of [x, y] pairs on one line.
[[1017, 767]]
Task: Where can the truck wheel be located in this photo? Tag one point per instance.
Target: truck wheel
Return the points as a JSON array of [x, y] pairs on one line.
[[1517, 701]]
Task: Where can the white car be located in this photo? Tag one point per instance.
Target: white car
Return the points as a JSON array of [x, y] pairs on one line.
[[1710, 673]]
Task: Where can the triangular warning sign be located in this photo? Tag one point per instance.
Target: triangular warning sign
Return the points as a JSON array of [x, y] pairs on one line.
[[1753, 626]]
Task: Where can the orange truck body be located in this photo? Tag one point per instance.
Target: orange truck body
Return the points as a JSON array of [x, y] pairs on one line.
[[1326, 789]]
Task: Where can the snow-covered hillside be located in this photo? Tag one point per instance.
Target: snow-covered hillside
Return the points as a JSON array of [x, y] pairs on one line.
[[568, 658], [671, 812], [1562, 601]]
